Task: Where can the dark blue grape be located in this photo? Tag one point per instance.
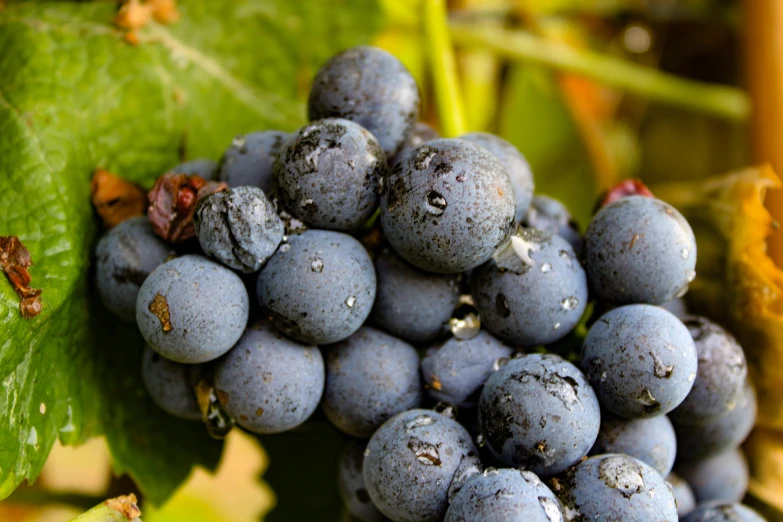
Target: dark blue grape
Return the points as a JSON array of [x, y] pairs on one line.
[[650, 440], [350, 484], [206, 168], [319, 287], [539, 412], [533, 291], [250, 159], [505, 495], [683, 494], [192, 310], [723, 512], [238, 227], [269, 383], [709, 437], [447, 206], [723, 477], [124, 257], [370, 376], [639, 250], [617, 487], [456, 370], [516, 165], [410, 303], [329, 174], [551, 215], [420, 133], [721, 376], [641, 360], [171, 384], [415, 462], [371, 87]]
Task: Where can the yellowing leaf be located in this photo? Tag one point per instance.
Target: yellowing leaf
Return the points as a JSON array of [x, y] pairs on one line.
[[739, 285], [233, 494]]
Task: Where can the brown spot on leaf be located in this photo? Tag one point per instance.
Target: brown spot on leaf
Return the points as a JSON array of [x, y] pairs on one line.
[[125, 505], [259, 412], [222, 396], [115, 199], [173, 200], [160, 307], [15, 259]]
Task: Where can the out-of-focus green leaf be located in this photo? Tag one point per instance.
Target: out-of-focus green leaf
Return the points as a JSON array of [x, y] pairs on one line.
[[535, 119], [740, 286], [74, 95]]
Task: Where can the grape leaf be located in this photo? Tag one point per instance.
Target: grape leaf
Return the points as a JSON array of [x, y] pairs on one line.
[[75, 96]]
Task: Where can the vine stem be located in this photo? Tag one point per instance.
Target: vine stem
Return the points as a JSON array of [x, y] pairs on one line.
[[443, 67], [119, 509], [718, 100]]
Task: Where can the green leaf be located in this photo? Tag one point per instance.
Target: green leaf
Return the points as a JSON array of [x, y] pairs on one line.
[[74, 96], [535, 119]]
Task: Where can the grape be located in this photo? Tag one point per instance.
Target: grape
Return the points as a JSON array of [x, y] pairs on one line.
[[540, 413], [723, 477], [249, 160], [350, 483], [269, 383], [124, 257], [420, 133], [723, 512], [710, 437], [447, 206], [192, 310], [171, 384], [371, 87], [639, 250], [239, 227], [533, 291], [650, 440], [516, 165], [329, 174], [551, 215], [683, 494], [456, 370], [410, 303], [721, 374], [203, 167], [415, 462], [505, 495], [640, 359], [370, 376], [617, 487], [319, 287]]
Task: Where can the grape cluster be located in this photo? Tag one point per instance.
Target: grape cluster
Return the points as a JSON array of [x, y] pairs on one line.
[[441, 335]]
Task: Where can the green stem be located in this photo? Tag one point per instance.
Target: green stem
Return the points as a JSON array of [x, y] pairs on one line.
[[722, 101], [443, 68]]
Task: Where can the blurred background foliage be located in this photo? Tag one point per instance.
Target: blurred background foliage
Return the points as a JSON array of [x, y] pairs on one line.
[[595, 92]]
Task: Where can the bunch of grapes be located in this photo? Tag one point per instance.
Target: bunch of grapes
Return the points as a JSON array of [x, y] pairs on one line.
[[416, 289]]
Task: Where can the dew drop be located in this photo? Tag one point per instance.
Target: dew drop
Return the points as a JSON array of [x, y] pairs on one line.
[[499, 363], [523, 249], [465, 323], [490, 471], [367, 452], [551, 509], [685, 253], [285, 247], [692, 277], [350, 301], [691, 377], [647, 398], [556, 326], [419, 421], [239, 142], [436, 203], [481, 441], [546, 267], [661, 370], [317, 265], [446, 409], [569, 303]]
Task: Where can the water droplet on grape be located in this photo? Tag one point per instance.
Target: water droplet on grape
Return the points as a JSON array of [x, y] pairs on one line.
[[317, 265]]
